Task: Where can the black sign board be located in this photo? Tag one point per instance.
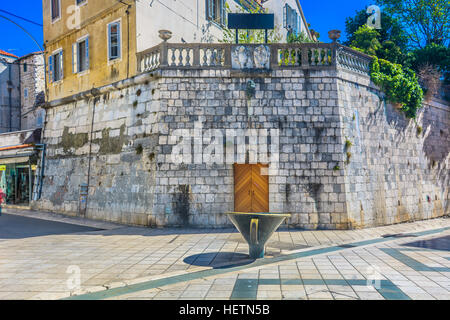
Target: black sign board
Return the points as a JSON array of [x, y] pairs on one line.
[[251, 21]]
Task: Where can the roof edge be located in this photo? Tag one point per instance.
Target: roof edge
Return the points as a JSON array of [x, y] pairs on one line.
[[304, 19]]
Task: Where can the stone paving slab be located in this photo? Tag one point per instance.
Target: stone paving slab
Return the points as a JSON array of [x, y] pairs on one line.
[[371, 273], [42, 267]]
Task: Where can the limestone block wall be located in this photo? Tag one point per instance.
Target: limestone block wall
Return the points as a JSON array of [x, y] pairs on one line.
[[304, 107], [112, 153], [32, 90], [119, 141], [398, 169]]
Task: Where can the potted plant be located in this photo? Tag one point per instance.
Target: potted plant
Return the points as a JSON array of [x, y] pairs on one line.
[[2, 199]]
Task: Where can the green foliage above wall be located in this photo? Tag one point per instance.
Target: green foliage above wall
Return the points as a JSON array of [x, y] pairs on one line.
[[400, 85]]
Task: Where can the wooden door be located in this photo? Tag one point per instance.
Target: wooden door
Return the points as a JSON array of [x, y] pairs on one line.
[[251, 188]]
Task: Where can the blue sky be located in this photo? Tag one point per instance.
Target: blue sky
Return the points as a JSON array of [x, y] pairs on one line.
[[326, 15], [323, 16]]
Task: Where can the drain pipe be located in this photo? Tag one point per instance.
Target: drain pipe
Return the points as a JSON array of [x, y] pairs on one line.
[[10, 87], [43, 149]]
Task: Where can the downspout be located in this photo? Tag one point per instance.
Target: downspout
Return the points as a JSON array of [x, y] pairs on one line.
[[45, 75], [90, 149], [128, 40], [128, 35], [10, 97], [20, 96], [43, 149]]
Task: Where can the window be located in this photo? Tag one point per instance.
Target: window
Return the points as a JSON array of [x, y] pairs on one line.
[[290, 19], [40, 119], [25, 67], [55, 66], [216, 11], [56, 9], [25, 93], [80, 55], [114, 44], [81, 2]]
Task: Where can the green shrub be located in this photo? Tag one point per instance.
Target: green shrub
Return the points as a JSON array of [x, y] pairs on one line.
[[400, 85], [419, 130], [348, 144], [349, 157]]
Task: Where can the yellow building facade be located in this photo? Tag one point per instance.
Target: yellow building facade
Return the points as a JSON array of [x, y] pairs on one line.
[[88, 44], [93, 43]]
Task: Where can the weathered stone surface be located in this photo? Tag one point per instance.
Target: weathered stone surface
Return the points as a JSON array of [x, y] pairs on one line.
[[393, 174]]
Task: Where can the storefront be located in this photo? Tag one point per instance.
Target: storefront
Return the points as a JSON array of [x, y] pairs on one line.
[[17, 179], [18, 163]]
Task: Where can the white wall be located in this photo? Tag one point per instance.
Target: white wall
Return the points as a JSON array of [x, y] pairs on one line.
[[277, 7], [185, 18]]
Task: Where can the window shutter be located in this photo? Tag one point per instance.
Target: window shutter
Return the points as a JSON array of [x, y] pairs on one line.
[[75, 58], [50, 68], [295, 21], [291, 20], [210, 9], [119, 43], [87, 53], [61, 70], [285, 13], [109, 42], [223, 11]]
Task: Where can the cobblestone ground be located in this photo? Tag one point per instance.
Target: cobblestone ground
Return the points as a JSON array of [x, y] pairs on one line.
[[405, 261]]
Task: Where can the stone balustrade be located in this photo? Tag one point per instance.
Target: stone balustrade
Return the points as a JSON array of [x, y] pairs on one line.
[[254, 57]]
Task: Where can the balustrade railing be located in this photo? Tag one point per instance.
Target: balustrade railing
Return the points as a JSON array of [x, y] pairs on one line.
[[252, 56]]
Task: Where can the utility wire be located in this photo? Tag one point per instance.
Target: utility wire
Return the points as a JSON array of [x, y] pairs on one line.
[[25, 19], [22, 64], [24, 30]]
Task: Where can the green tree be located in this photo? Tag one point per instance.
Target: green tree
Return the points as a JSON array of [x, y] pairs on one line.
[[434, 55], [391, 29], [365, 39], [389, 43], [425, 21]]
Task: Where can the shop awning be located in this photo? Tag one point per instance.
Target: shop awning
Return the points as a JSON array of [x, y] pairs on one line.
[[14, 160]]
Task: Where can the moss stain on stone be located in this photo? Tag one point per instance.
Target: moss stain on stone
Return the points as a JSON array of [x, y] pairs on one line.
[[73, 140], [112, 145]]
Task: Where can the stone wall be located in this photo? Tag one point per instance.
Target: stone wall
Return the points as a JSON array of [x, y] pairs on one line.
[[9, 95], [32, 87], [398, 170], [124, 153], [304, 109]]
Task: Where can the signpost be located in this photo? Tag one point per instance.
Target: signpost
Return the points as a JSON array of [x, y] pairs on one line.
[[247, 21]]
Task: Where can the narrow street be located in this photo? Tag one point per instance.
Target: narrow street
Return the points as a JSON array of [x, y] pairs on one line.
[[37, 261]]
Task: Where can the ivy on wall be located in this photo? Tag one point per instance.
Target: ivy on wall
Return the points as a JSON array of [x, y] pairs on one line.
[[400, 85]]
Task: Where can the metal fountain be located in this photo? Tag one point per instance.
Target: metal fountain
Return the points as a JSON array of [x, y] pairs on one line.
[[257, 228]]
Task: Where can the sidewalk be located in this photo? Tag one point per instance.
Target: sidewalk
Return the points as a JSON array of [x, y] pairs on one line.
[[37, 268]]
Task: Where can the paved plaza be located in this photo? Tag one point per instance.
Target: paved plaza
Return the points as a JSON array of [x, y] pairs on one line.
[[45, 261]]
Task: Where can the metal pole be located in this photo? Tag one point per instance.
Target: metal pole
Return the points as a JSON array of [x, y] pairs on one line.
[[30, 182]]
